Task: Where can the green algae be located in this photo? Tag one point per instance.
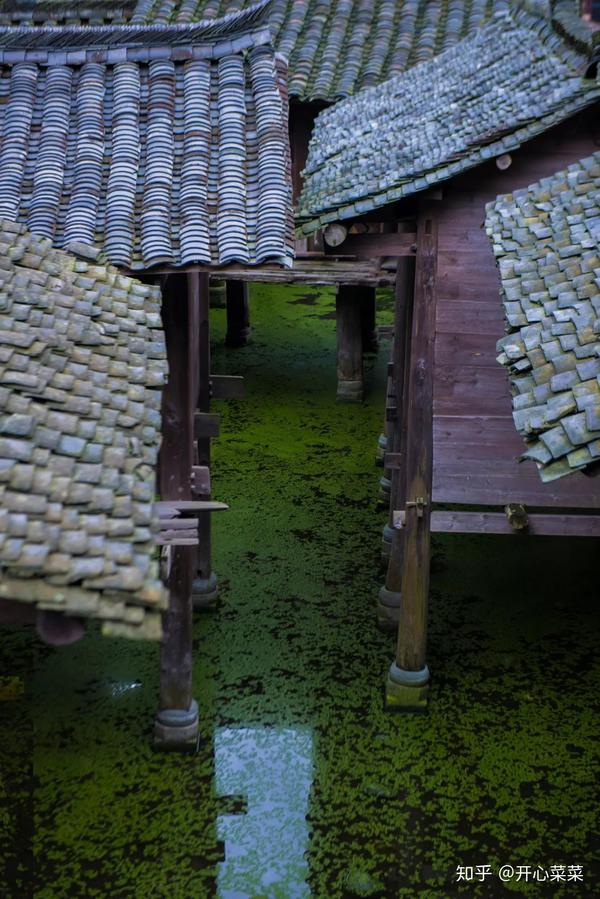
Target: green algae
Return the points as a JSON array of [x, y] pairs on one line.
[[326, 795]]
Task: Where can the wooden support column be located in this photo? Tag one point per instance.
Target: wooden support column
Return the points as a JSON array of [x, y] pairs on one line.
[[390, 594], [408, 677], [368, 315], [238, 314], [176, 722], [349, 344], [204, 587]]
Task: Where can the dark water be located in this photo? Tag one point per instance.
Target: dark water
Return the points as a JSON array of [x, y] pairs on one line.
[[302, 785]]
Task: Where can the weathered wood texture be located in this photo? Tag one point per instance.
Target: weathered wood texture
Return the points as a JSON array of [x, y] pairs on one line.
[[175, 464], [403, 312], [412, 628], [238, 313], [309, 268], [368, 318], [349, 344], [551, 524], [200, 292], [476, 444]]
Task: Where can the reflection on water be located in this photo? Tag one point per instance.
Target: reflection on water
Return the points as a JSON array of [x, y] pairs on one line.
[[264, 846]]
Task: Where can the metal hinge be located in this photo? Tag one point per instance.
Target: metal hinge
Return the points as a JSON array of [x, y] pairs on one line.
[[419, 504]]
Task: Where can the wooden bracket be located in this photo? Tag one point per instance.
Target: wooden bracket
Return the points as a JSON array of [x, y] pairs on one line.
[[227, 387], [419, 504], [200, 480], [206, 424]]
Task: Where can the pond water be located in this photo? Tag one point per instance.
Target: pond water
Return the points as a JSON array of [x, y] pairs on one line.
[[302, 786]]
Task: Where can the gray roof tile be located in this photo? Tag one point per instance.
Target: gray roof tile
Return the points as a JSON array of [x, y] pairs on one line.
[[77, 459], [168, 163], [562, 421], [490, 93]]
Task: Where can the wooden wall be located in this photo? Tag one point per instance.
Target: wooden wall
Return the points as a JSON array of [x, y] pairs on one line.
[[476, 442]]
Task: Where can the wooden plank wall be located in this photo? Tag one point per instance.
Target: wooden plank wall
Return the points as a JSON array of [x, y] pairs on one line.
[[475, 441]]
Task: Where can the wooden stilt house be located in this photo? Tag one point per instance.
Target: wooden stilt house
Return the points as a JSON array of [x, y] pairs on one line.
[[507, 108], [167, 149]]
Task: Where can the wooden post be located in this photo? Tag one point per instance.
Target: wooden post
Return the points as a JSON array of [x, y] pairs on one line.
[[390, 594], [238, 314], [176, 722], [204, 588], [408, 677], [368, 315], [349, 344]]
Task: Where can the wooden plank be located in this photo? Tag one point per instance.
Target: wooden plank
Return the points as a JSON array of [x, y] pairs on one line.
[[190, 506], [313, 270], [178, 524], [557, 525], [227, 387], [206, 425]]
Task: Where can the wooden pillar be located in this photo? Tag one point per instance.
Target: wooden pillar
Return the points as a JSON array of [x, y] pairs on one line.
[[408, 677], [368, 315], [204, 587], [349, 344], [238, 314], [390, 594], [176, 722]]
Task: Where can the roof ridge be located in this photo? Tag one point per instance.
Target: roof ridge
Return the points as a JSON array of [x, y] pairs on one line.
[[47, 36]]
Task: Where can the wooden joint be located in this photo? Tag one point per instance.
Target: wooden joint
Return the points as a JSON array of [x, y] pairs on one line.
[[390, 370], [419, 504], [391, 413], [227, 387], [206, 424]]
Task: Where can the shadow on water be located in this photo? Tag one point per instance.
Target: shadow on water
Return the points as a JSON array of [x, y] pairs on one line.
[[302, 786]]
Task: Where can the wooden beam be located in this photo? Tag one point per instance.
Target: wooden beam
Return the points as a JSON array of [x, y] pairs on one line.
[[176, 722], [238, 314], [349, 345], [390, 595], [371, 246], [412, 629], [542, 524], [315, 269]]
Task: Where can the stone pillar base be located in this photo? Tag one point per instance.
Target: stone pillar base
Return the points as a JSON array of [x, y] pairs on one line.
[[177, 729], [205, 592], [386, 542], [350, 391], [385, 489], [388, 609], [406, 691], [382, 443]]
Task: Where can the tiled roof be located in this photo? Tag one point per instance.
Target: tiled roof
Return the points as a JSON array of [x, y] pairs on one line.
[[160, 145], [63, 12], [496, 89], [82, 361], [547, 241], [337, 47]]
